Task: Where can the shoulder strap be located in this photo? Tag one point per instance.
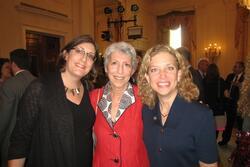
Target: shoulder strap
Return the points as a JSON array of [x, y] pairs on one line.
[[98, 97]]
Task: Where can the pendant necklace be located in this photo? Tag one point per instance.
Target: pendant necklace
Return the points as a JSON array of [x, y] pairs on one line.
[[75, 91], [164, 115]]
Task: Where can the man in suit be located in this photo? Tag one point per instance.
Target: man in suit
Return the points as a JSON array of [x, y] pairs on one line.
[[10, 95], [202, 67], [233, 84], [196, 78]]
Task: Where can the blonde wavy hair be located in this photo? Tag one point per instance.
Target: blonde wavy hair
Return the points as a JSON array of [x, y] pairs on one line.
[[186, 88], [244, 101]]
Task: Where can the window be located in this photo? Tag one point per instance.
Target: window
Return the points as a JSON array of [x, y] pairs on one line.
[[175, 37]]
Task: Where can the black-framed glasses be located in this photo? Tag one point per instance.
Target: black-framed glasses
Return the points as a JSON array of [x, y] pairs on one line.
[[82, 52]]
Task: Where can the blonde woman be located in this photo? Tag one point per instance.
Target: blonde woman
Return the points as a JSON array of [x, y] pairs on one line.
[[177, 130]]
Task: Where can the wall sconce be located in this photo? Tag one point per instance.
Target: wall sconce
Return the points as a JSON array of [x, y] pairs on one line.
[[212, 52], [134, 32], [245, 3]]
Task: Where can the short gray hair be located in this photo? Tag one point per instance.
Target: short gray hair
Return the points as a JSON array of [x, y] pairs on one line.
[[123, 47]]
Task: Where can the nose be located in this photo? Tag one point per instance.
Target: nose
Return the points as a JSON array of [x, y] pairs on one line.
[[84, 57], [120, 69], [163, 73]]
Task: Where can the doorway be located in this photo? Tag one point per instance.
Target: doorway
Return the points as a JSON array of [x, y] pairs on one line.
[[44, 50]]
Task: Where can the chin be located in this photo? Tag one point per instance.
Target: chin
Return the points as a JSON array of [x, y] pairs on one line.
[[120, 85], [80, 75]]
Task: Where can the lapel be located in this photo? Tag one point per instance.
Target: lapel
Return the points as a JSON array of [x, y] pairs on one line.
[[175, 114], [241, 78]]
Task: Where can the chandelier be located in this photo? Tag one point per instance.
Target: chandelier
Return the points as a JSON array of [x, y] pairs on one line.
[[245, 3], [212, 52]]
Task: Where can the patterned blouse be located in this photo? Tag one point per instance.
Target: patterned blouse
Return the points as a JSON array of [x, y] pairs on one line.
[[105, 104]]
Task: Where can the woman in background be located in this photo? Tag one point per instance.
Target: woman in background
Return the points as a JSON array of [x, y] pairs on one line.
[[5, 70], [177, 130], [55, 117], [214, 87], [118, 127]]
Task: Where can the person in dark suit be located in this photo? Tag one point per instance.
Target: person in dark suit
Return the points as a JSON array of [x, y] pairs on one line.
[[233, 84], [203, 64], [178, 131], [10, 95], [194, 73], [55, 117]]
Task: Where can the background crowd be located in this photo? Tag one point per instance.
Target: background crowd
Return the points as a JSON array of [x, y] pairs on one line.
[[122, 109]]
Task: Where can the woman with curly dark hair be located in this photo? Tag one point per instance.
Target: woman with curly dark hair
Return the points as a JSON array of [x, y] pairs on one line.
[[55, 117], [214, 87]]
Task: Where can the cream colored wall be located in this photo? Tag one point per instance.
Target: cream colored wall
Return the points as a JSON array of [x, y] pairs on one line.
[[65, 18], [215, 22], [145, 18]]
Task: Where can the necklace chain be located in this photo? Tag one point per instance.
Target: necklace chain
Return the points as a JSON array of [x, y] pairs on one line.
[[75, 91], [164, 115]]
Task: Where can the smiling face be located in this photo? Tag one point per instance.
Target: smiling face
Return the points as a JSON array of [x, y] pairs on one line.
[[79, 60], [163, 75], [119, 70]]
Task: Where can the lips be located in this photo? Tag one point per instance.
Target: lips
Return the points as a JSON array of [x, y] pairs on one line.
[[81, 66], [166, 83], [118, 77]]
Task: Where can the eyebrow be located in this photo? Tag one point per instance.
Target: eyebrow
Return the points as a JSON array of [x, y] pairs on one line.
[[163, 65], [78, 47]]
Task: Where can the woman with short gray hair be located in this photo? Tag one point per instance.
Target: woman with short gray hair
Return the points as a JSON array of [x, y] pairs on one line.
[[118, 127], [122, 47]]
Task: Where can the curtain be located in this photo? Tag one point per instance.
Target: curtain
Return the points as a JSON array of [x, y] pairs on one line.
[[241, 31], [172, 20]]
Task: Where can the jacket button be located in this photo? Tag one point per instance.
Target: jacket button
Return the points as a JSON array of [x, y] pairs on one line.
[[116, 160], [162, 130], [115, 135]]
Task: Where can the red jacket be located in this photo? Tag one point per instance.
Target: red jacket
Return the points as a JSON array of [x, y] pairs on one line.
[[123, 144]]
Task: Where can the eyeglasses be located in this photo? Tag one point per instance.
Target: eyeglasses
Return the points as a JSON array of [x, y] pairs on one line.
[[82, 52]]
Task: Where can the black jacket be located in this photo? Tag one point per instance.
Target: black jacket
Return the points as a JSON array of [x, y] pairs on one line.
[[44, 132], [214, 94], [234, 90]]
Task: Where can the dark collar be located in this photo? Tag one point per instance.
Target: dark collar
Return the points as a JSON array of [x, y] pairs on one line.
[[175, 114]]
